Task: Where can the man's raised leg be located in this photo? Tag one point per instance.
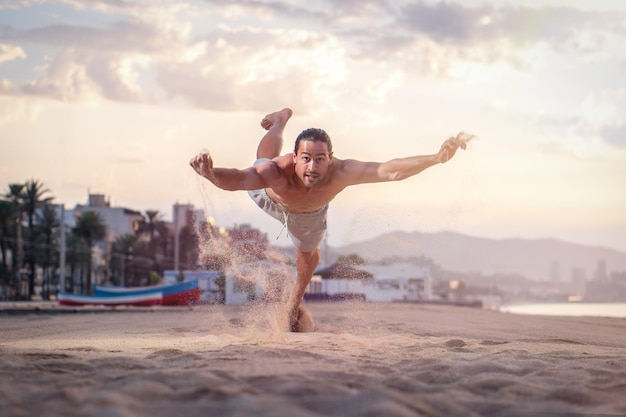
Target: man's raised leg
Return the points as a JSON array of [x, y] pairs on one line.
[[272, 143], [306, 262]]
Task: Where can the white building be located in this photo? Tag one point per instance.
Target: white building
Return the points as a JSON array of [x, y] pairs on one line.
[[412, 282], [263, 280], [184, 215], [118, 220], [395, 282]]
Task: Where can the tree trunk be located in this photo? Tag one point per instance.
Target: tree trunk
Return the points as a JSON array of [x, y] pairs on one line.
[[88, 280]]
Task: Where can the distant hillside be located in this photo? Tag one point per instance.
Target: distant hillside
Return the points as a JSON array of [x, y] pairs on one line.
[[532, 258]]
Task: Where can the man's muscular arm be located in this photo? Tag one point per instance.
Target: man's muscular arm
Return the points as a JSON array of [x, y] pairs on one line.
[[264, 175], [397, 169]]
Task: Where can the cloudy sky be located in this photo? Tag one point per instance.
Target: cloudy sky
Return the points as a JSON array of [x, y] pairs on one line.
[[115, 97]]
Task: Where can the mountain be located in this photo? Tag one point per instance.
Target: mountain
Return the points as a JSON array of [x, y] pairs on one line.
[[536, 259]]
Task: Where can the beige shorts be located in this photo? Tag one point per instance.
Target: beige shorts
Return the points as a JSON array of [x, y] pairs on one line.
[[306, 230]]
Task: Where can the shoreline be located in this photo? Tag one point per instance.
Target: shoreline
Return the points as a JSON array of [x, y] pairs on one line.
[[12, 308], [568, 309]]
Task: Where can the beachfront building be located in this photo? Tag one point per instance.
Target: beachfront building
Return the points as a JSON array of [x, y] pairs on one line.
[[378, 283], [118, 220], [269, 281], [401, 281], [187, 220]]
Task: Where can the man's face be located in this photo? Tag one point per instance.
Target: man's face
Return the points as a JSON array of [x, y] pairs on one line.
[[311, 163]]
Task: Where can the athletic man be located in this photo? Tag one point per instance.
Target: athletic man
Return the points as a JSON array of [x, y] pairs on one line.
[[296, 188]]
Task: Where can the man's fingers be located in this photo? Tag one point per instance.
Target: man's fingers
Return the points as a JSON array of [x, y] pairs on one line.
[[457, 143], [195, 161], [201, 161], [465, 137], [460, 143], [450, 146]]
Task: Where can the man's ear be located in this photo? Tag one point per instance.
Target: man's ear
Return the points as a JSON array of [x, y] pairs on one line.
[[295, 157]]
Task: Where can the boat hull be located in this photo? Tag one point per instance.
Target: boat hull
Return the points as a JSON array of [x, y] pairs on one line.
[[177, 294], [151, 299]]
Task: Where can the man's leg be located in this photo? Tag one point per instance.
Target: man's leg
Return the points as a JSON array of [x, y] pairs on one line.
[[306, 262], [272, 143]]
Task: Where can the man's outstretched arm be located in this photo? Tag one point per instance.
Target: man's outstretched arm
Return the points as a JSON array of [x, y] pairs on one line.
[[232, 179], [401, 168]]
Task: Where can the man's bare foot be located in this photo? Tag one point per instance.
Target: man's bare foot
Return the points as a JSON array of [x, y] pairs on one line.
[[293, 319], [300, 320], [276, 117]]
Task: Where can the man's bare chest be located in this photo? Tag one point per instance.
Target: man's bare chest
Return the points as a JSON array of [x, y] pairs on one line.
[[299, 201]]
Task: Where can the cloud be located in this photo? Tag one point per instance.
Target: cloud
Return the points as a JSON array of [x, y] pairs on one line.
[[599, 117], [445, 22], [92, 62], [225, 69], [438, 38], [451, 23], [615, 135], [129, 35], [284, 51], [76, 75], [17, 4], [11, 53], [245, 68]]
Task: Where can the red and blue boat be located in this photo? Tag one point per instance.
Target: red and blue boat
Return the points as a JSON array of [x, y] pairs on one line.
[[181, 293], [147, 299]]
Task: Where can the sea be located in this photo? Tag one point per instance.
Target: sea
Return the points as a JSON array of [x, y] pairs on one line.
[[577, 309]]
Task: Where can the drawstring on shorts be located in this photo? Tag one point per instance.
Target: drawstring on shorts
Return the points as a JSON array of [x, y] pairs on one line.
[[285, 225]]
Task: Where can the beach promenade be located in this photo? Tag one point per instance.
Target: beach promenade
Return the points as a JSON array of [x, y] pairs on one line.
[[364, 359]]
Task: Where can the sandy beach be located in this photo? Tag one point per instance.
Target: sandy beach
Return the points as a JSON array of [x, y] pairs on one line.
[[363, 359]]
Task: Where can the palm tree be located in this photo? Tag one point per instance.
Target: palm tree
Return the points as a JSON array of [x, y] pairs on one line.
[[166, 246], [131, 264], [33, 198], [122, 250], [151, 226], [77, 255], [15, 196], [89, 228], [49, 224], [188, 248], [6, 216]]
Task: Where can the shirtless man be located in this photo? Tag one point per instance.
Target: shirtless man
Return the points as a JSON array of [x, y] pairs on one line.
[[296, 188]]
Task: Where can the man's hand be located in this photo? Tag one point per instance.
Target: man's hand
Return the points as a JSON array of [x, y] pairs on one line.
[[203, 165], [449, 147]]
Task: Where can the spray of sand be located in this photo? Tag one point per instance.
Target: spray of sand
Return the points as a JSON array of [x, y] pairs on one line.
[[465, 138], [251, 266]]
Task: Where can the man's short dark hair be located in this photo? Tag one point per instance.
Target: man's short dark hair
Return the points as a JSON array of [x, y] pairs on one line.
[[314, 135]]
